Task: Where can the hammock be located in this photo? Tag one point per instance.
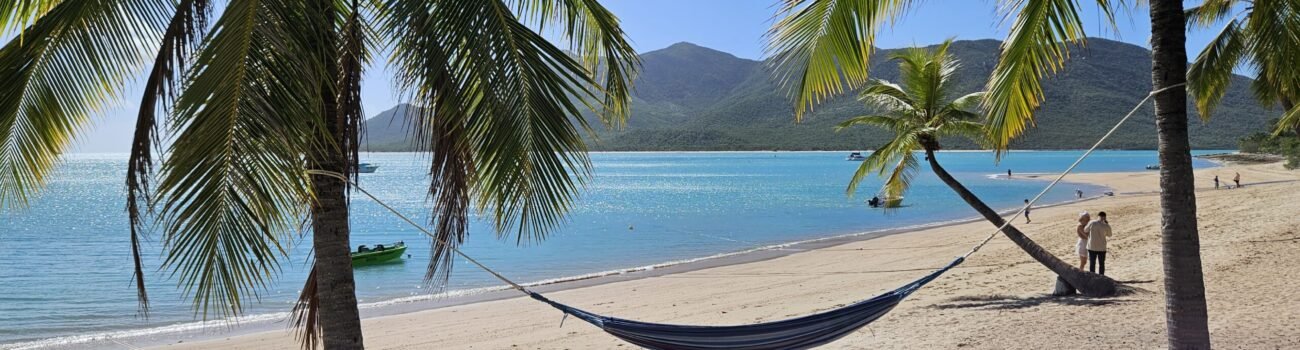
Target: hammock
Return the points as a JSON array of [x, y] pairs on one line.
[[795, 333]]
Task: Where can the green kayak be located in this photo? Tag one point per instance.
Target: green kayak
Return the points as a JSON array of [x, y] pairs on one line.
[[381, 253]]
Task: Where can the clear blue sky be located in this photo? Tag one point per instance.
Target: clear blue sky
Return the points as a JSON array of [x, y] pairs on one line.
[[734, 26]]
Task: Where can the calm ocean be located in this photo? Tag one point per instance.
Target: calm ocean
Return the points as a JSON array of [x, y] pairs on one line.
[[65, 267]]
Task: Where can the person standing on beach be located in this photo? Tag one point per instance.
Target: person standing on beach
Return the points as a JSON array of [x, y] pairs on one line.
[[1216, 182], [1027, 212], [1078, 193], [1082, 247], [1097, 231], [1237, 180], [1008, 173]]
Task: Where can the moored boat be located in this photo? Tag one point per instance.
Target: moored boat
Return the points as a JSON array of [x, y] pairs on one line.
[[379, 254], [855, 157], [366, 168]]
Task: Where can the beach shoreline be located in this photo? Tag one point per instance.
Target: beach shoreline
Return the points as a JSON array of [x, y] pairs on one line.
[[598, 293], [201, 331]]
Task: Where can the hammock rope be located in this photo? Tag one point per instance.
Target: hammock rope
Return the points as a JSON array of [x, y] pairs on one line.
[[794, 333], [1072, 166]]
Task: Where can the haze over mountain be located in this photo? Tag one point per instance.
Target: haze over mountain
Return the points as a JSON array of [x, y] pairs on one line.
[[690, 97]]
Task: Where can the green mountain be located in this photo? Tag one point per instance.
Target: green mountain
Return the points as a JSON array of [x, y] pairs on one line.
[[694, 98]]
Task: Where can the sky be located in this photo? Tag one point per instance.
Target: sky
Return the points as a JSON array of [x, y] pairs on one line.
[[733, 26]]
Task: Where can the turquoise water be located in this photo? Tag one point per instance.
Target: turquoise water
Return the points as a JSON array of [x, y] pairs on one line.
[[65, 267]]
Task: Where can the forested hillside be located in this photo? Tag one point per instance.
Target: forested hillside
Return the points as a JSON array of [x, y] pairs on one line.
[[694, 98]]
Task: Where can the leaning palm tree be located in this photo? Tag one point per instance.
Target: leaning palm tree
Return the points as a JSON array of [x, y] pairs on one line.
[[823, 47], [257, 94], [1263, 35], [919, 113]]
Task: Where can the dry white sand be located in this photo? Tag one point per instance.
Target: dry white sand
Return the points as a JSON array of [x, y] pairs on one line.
[[995, 300]]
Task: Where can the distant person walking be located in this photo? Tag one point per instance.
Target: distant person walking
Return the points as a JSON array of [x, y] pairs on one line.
[[1027, 212], [1237, 180], [1078, 193], [1216, 182], [1082, 247], [1008, 173], [1097, 231]]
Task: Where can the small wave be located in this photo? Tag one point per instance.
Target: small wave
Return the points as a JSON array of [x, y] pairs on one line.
[[142, 332]]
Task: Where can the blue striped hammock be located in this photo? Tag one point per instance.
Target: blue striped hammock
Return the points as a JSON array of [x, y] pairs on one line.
[[795, 333]]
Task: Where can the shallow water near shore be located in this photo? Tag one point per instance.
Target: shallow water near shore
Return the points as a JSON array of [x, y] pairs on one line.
[[65, 266]]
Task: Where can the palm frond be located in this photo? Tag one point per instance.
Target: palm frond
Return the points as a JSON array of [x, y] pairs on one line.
[[1211, 73], [178, 42], [71, 61], [900, 176], [884, 95], [969, 130], [1036, 47], [879, 121], [507, 95], [967, 105], [1290, 121], [353, 57], [306, 313], [233, 185], [16, 14], [453, 171], [1209, 12], [820, 48], [1272, 30], [889, 158], [924, 74], [593, 35]]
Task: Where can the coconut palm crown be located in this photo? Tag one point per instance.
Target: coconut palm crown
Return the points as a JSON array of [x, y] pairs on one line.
[[918, 112]]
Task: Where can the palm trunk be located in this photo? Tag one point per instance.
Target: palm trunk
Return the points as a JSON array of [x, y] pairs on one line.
[[1089, 284], [1185, 312], [339, 320]]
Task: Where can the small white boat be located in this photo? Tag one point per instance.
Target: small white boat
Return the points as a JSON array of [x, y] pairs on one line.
[[1153, 167], [855, 157], [366, 168], [887, 202]]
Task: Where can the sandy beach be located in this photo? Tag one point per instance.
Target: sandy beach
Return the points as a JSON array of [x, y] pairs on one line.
[[996, 300]]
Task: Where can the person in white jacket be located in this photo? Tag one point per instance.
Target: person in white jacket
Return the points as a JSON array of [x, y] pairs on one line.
[[1097, 231]]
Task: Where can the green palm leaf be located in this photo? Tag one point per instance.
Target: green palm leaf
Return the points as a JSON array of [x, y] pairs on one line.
[[178, 43], [896, 159], [820, 48], [1211, 73], [233, 186], [71, 61], [917, 116], [1036, 47], [15, 14], [1263, 35], [1289, 121], [502, 103], [594, 36]]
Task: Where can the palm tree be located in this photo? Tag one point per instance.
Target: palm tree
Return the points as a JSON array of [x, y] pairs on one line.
[[1262, 34], [823, 47], [270, 90], [1185, 313], [919, 114]]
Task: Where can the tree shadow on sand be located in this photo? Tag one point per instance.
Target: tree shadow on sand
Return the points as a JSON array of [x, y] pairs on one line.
[[996, 302]]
